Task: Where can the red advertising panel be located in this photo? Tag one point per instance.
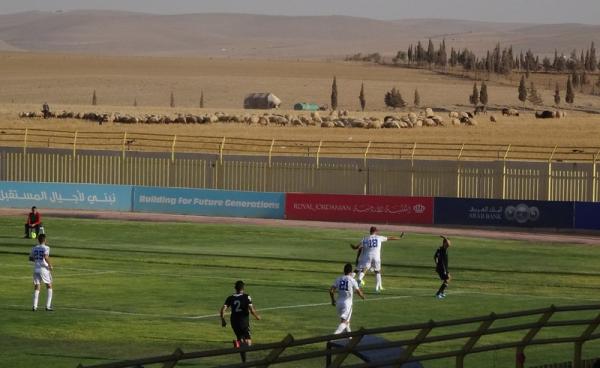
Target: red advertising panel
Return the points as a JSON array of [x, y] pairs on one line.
[[357, 208]]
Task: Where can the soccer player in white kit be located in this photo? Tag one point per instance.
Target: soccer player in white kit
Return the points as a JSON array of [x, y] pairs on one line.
[[40, 256], [345, 286], [370, 257]]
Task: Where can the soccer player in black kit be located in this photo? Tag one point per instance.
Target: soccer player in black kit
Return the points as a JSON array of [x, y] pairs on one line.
[[441, 266], [241, 307]]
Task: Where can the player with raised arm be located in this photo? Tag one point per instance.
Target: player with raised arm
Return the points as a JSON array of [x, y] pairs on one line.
[[40, 256], [241, 307], [441, 266], [370, 256], [345, 286]]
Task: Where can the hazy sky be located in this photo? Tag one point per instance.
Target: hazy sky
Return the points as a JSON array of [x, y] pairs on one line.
[[538, 11]]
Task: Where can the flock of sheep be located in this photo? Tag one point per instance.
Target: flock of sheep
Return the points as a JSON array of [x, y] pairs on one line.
[[333, 119]]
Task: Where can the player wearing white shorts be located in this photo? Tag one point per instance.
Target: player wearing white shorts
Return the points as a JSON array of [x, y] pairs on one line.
[[370, 256], [40, 256], [345, 286]]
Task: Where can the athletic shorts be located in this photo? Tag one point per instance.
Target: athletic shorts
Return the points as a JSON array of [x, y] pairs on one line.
[[344, 311], [443, 275], [241, 328], [42, 275], [369, 263]]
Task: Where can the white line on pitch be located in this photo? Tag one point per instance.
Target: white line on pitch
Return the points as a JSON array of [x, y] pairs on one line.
[[61, 275], [108, 311]]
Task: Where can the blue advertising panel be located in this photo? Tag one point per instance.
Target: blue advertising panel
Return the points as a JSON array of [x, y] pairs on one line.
[[207, 202], [512, 213], [67, 196], [587, 216]]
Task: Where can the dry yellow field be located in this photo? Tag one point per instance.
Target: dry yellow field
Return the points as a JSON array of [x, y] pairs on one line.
[[70, 80], [67, 82]]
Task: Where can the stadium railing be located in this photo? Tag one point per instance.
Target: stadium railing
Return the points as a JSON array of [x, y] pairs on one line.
[[26, 138], [426, 333], [377, 168]]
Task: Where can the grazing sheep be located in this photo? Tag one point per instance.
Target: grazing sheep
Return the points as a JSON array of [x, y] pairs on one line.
[[391, 124], [510, 112], [375, 124], [438, 120], [429, 122], [358, 123], [253, 119], [544, 114]]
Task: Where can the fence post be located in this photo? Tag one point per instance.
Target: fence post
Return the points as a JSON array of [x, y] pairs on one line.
[[74, 143], [275, 353], [339, 359], [410, 349], [25, 141], [460, 359], [577, 358], [319, 152], [173, 148], [412, 170], [458, 171], [177, 354], [221, 150], [532, 333], [271, 151], [123, 145], [595, 177], [504, 171], [549, 197], [366, 153]]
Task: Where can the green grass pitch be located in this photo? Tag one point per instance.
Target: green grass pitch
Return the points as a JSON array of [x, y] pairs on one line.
[[128, 289]]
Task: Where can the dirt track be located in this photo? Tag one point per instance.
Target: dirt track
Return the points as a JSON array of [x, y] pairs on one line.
[[528, 235]]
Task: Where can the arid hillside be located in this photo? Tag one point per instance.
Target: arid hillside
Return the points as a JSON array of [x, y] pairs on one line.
[[65, 79], [259, 36]]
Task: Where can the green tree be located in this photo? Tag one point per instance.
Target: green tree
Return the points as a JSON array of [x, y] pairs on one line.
[[593, 59], [94, 99], [172, 102], [394, 99], [334, 94], [430, 53], [522, 90], [417, 98], [361, 97], [483, 94], [474, 98], [570, 96], [575, 80], [557, 95]]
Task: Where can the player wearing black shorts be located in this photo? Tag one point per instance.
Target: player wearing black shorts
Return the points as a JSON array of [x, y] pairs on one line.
[[441, 267], [241, 307]]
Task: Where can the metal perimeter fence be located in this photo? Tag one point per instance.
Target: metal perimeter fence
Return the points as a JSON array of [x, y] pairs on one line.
[[455, 339], [337, 167]]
